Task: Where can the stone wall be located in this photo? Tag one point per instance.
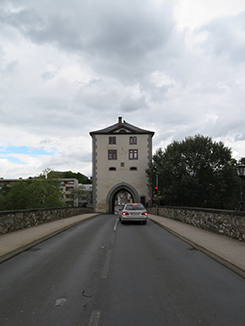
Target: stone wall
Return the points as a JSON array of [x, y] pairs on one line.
[[229, 223], [21, 219]]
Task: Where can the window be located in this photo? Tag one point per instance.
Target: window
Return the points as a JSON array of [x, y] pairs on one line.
[[112, 154], [133, 168], [112, 168], [133, 154], [133, 140], [112, 140]]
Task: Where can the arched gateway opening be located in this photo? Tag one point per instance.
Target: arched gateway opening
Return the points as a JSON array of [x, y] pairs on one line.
[[118, 189]]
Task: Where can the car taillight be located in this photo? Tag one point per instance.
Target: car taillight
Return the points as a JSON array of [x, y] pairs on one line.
[[144, 213], [125, 213]]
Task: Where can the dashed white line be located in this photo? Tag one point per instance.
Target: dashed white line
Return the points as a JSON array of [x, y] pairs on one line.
[[107, 264], [115, 226], [95, 316]]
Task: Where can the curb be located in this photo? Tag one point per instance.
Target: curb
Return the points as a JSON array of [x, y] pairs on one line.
[[31, 244], [212, 255]]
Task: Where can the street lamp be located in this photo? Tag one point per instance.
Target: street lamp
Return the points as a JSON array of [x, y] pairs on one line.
[[240, 169]]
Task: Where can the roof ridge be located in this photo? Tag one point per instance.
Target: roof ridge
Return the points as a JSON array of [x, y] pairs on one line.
[[113, 128]]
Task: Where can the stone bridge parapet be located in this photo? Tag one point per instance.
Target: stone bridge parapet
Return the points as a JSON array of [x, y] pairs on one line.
[[229, 223], [21, 219]]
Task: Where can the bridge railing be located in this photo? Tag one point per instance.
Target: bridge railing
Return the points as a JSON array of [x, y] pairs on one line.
[[229, 223], [21, 219]]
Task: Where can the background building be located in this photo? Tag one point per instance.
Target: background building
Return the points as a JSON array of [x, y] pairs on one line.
[[121, 154]]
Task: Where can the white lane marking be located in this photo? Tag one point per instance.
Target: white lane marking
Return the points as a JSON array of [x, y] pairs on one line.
[[107, 264], [95, 316], [115, 226], [60, 302]]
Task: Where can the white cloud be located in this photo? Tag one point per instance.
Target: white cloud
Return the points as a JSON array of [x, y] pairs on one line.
[[70, 67], [192, 13]]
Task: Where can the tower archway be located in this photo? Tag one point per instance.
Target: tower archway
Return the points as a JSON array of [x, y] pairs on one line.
[[110, 199]]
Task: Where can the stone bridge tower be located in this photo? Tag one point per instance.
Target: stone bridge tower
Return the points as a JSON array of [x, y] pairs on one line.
[[121, 154]]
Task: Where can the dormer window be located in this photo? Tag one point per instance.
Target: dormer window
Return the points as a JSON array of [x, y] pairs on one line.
[[112, 140], [132, 140]]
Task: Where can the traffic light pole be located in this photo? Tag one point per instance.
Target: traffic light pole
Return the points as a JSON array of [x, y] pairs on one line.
[[156, 189]]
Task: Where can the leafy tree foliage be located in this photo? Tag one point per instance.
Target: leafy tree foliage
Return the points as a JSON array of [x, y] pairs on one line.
[[32, 193], [69, 174], [196, 172]]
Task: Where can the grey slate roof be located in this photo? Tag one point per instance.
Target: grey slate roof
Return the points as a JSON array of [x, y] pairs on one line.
[[122, 125]]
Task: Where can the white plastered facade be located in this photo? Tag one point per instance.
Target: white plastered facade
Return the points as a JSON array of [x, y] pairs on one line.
[[122, 173]]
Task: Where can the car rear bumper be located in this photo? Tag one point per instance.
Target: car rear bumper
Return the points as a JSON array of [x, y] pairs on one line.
[[133, 218]]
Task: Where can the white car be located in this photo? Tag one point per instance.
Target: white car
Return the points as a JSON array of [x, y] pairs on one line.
[[134, 212]]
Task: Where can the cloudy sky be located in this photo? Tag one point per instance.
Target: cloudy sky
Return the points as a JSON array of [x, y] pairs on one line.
[[68, 67]]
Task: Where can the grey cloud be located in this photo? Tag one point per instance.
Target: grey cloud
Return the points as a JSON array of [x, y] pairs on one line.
[[45, 141], [100, 97], [112, 35], [23, 19], [129, 104], [11, 67], [226, 37], [48, 75], [239, 136], [42, 116]]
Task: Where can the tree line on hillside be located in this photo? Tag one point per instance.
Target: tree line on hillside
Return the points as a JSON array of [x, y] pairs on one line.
[[195, 172], [40, 192], [71, 175]]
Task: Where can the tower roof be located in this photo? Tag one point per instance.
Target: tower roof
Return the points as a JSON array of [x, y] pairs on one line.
[[122, 127]]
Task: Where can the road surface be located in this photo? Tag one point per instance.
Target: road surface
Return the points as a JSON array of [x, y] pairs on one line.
[[102, 273]]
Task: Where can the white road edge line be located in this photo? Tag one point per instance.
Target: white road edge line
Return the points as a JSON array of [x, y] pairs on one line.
[[95, 316]]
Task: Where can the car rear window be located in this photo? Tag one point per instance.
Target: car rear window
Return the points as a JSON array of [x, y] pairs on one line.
[[135, 207]]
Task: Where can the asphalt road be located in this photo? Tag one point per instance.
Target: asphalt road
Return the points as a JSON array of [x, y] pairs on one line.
[[103, 273]]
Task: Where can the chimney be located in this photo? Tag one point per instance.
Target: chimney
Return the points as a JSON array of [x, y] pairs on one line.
[[120, 120]]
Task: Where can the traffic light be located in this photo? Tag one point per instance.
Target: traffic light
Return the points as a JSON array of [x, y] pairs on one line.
[[156, 189]]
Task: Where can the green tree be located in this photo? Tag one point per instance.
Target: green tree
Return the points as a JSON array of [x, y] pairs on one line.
[[45, 193], [3, 197], [18, 195], [196, 172], [79, 176], [32, 193]]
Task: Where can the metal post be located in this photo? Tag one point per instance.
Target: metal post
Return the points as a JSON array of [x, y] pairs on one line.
[[157, 194], [241, 208], [240, 169]]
